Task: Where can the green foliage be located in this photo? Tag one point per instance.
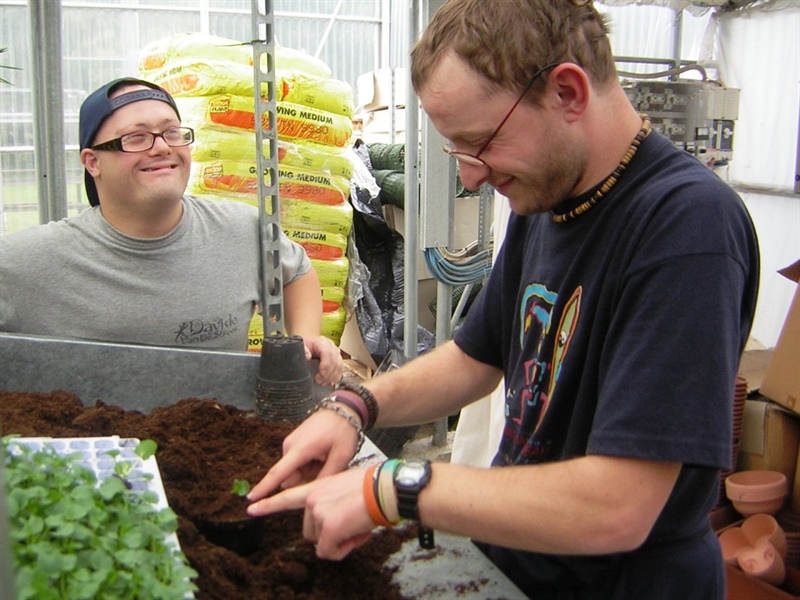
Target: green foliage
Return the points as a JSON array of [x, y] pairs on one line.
[[241, 487], [76, 538]]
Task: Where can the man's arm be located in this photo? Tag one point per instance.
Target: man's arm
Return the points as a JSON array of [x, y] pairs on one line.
[[302, 305], [432, 386], [588, 505]]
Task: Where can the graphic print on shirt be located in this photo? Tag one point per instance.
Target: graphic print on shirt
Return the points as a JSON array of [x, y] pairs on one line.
[[541, 368], [196, 331], [536, 313]]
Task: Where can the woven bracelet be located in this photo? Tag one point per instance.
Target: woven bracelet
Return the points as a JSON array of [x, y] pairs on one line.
[[366, 396], [329, 404]]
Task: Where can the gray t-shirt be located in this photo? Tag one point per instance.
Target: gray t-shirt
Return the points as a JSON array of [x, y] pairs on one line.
[[196, 287]]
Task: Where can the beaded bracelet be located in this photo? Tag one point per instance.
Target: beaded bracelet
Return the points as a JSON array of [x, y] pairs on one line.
[[387, 495], [370, 498], [329, 404], [366, 396]]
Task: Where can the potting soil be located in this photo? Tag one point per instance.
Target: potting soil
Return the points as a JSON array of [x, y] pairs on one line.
[[203, 448]]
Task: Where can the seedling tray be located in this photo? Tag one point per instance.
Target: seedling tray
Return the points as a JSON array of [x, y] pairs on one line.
[[100, 455]]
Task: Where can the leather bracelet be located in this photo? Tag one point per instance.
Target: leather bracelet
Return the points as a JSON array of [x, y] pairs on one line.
[[370, 498], [329, 404], [352, 400], [366, 396]]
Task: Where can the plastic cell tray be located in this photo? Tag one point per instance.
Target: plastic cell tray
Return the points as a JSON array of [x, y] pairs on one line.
[[100, 454]]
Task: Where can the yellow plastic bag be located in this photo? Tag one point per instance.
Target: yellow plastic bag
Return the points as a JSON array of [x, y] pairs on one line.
[[332, 273], [204, 78], [294, 183], [314, 186], [296, 122], [226, 143], [194, 46], [331, 95], [332, 327], [302, 123], [310, 215]]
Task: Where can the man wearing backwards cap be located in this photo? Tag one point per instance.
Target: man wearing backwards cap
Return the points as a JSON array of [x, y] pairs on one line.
[[147, 264]]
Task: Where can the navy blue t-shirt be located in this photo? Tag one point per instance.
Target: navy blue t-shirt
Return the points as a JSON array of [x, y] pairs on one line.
[[619, 333]]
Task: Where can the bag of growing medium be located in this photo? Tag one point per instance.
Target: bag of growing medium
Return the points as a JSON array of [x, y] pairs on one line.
[[241, 178], [296, 122], [302, 123], [316, 157], [323, 245], [332, 298], [221, 110], [223, 143], [332, 327], [193, 46], [204, 47], [331, 95], [204, 78], [314, 186], [310, 215], [332, 273]]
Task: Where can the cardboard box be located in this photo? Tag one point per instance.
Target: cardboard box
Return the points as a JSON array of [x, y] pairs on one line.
[[374, 89], [376, 126], [358, 358], [782, 378], [770, 439]]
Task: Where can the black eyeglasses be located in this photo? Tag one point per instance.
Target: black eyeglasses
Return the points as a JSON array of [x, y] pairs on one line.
[[141, 141], [475, 159]]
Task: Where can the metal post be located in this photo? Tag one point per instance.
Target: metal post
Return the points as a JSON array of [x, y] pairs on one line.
[[48, 105], [411, 203], [677, 35]]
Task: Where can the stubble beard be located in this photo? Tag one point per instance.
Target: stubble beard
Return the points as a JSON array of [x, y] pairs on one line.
[[555, 182]]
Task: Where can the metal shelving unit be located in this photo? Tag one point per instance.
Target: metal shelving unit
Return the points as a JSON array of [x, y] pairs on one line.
[[266, 127]]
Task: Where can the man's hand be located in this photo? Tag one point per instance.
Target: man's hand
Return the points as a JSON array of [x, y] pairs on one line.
[[321, 445], [331, 366], [335, 518]]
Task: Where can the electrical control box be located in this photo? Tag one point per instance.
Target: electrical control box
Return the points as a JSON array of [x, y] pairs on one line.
[[697, 116]]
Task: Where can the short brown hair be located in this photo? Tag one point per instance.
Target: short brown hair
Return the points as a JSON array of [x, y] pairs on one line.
[[507, 41]]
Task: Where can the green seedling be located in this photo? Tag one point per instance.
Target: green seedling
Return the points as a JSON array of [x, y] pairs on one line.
[[76, 538], [241, 487]]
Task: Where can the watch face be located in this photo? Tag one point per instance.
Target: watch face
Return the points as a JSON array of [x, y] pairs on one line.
[[410, 473]]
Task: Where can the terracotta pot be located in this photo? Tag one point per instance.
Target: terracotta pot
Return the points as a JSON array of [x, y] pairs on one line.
[[762, 560], [732, 541], [762, 525], [757, 491]]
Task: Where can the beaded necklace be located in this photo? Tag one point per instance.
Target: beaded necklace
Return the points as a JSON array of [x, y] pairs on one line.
[[608, 183]]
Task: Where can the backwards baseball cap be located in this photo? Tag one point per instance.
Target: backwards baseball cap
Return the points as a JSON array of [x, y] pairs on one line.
[[98, 107]]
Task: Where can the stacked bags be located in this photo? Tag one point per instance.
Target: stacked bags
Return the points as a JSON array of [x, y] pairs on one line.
[[212, 81]]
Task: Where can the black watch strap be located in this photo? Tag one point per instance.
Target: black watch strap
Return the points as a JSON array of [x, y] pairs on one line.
[[425, 538], [410, 478]]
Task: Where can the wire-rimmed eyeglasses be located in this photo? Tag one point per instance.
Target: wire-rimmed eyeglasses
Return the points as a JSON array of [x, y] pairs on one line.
[[142, 141], [475, 159]]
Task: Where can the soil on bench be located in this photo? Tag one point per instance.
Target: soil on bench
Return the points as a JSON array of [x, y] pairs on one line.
[[203, 447]]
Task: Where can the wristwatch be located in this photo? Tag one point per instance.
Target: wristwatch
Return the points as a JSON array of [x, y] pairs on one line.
[[410, 478]]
